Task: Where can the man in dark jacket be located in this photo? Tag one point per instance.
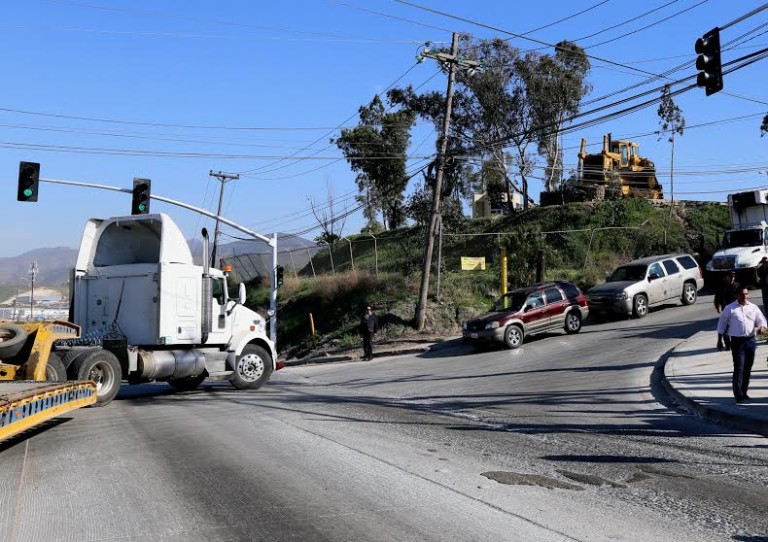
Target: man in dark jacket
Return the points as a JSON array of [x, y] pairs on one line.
[[725, 294], [762, 275], [368, 326]]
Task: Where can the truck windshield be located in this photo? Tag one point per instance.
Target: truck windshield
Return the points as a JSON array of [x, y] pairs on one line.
[[628, 272], [742, 238], [513, 301]]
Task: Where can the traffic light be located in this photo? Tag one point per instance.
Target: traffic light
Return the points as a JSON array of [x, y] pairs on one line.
[[711, 75], [29, 181], [140, 203], [279, 276]]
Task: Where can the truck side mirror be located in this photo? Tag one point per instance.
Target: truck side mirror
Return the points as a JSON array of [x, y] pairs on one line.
[[241, 294]]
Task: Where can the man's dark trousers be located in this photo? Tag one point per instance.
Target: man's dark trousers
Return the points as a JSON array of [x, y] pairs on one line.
[[368, 345], [743, 353]]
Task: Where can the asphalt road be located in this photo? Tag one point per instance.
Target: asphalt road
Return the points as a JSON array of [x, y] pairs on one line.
[[567, 438]]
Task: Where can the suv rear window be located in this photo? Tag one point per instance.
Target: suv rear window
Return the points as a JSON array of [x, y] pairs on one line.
[[571, 291], [687, 262], [553, 295]]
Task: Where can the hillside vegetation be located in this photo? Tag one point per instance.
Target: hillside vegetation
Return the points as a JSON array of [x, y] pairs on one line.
[[578, 242]]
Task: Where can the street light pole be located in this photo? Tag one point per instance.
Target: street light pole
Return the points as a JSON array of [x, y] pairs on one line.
[[32, 271], [224, 178]]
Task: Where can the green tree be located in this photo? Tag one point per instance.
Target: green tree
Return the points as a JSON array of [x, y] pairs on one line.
[[376, 150], [501, 110], [671, 122], [555, 86]]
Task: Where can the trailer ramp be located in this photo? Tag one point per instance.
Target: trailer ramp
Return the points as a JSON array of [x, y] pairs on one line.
[[27, 404]]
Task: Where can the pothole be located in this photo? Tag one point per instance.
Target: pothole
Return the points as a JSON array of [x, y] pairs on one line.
[[589, 479], [518, 479], [662, 472], [637, 477]]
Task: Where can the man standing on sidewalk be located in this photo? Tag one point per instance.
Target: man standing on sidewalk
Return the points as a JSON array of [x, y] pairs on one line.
[[742, 319], [762, 275]]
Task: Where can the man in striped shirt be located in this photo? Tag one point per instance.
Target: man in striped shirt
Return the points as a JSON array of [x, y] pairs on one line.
[[742, 320]]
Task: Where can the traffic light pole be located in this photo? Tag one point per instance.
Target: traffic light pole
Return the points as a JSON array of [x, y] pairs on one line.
[[223, 177], [271, 241]]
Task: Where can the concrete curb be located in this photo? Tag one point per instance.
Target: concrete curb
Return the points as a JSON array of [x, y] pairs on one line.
[[740, 422], [381, 353]]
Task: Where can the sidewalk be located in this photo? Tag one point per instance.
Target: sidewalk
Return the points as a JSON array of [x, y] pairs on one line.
[[699, 378]]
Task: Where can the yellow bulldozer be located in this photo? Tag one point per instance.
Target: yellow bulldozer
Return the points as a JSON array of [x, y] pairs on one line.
[[618, 171]]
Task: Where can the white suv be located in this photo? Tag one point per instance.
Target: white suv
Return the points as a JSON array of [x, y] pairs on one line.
[[636, 286]]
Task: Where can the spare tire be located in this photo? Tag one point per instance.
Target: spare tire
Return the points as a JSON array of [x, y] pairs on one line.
[[12, 340]]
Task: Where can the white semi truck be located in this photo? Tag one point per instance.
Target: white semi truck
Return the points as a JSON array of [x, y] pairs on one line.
[[746, 241], [146, 312]]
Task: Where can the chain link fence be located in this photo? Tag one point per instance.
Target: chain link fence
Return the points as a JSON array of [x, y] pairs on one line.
[[563, 251]]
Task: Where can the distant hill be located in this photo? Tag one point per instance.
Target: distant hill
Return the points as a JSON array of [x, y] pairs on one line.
[[54, 263], [53, 266]]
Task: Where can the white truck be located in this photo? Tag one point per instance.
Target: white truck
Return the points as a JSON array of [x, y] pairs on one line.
[[746, 241], [148, 313]]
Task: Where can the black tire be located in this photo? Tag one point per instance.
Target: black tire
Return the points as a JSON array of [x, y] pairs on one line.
[[70, 357], [252, 368], [54, 369], [689, 294], [513, 337], [188, 384], [12, 340], [640, 306], [573, 322], [101, 367]]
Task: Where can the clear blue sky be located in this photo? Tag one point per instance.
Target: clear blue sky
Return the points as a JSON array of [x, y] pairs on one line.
[[103, 92]]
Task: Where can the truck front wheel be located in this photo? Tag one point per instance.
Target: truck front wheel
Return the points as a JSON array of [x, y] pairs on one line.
[[101, 367], [252, 368]]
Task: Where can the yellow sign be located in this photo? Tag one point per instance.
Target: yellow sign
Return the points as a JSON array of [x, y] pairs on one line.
[[469, 263]]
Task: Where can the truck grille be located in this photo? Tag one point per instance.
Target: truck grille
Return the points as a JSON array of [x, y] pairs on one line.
[[724, 262]]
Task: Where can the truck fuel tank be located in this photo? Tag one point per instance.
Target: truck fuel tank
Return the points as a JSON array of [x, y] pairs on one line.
[[160, 364]]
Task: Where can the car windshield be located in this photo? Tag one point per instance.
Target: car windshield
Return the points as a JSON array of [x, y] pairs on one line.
[[513, 301], [628, 272], [742, 238]]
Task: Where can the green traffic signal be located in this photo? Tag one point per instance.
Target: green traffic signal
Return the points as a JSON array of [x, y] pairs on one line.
[[140, 201], [29, 181]]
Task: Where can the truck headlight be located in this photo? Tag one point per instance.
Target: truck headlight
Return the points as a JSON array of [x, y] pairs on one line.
[[621, 295], [491, 325]]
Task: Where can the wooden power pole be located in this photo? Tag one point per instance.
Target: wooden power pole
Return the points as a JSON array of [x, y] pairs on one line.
[[451, 60]]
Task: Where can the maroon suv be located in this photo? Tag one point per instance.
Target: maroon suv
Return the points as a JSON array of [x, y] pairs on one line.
[[533, 309]]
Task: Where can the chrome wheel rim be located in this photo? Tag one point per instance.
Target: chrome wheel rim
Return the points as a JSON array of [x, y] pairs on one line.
[[250, 367], [514, 336], [573, 322]]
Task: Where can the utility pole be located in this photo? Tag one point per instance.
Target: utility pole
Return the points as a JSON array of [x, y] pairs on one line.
[[452, 60], [33, 270], [224, 178]]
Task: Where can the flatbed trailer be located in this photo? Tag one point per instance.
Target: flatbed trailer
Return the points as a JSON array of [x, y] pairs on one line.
[[33, 382], [26, 404]]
